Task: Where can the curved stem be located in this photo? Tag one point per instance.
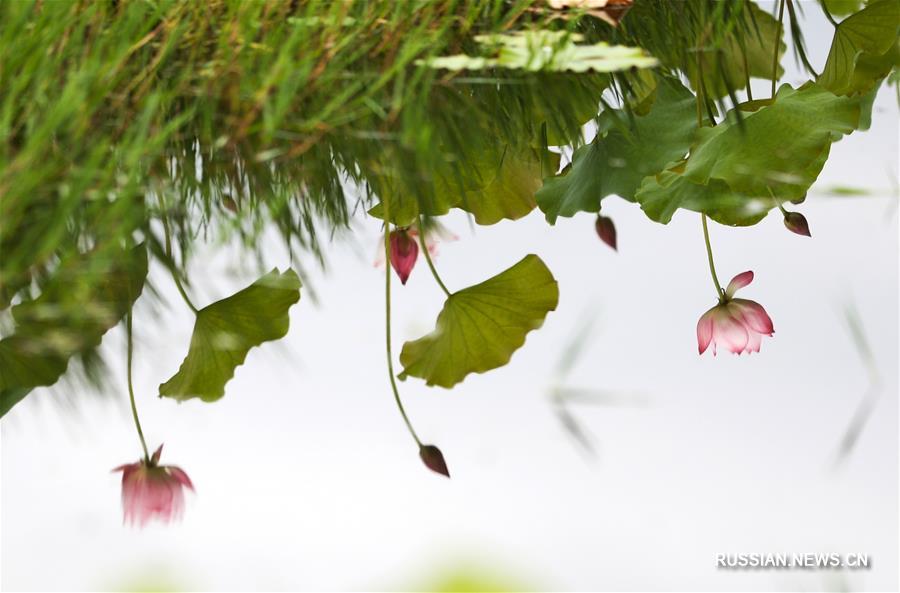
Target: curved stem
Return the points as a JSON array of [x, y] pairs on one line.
[[777, 45], [776, 202], [709, 255], [182, 292], [387, 308], [171, 265], [703, 96], [134, 413], [428, 257]]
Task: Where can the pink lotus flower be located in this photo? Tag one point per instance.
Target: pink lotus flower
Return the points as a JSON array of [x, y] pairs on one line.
[[152, 491], [736, 324]]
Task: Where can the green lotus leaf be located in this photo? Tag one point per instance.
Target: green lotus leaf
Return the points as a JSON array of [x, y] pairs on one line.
[[490, 181], [508, 181], [480, 327], [226, 330], [859, 54], [408, 204], [842, 7], [89, 294], [581, 93], [774, 147], [620, 157], [660, 196]]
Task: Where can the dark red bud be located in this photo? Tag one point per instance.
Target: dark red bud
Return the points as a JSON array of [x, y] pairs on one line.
[[434, 459], [796, 223], [606, 230], [404, 251]]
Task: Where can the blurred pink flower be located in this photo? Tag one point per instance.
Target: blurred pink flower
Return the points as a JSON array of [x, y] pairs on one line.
[[152, 491], [736, 324]]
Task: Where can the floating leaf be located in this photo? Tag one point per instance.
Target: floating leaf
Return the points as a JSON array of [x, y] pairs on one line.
[[480, 327], [617, 161], [89, 294], [853, 66], [777, 144], [543, 50], [226, 330]]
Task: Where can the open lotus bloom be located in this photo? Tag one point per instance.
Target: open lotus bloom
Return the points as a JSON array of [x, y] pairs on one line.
[[152, 491], [735, 324]]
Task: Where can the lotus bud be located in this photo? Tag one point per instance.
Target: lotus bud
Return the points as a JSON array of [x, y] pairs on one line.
[[434, 459], [606, 230], [404, 251], [796, 223]]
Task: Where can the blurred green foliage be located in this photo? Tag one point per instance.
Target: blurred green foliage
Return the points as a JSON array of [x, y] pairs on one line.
[[157, 125]]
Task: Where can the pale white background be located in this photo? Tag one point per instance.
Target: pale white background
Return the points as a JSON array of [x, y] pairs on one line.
[[306, 478]]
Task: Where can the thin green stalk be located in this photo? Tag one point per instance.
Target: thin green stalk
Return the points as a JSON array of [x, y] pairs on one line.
[[182, 292], [709, 255], [387, 316], [776, 202], [699, 107], [703, 96], [428, 258], [171, 265], [777, 44], [134, 412]]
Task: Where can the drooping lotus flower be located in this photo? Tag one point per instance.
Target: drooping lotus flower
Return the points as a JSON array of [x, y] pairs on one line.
[[152, 491], [736, 324]]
